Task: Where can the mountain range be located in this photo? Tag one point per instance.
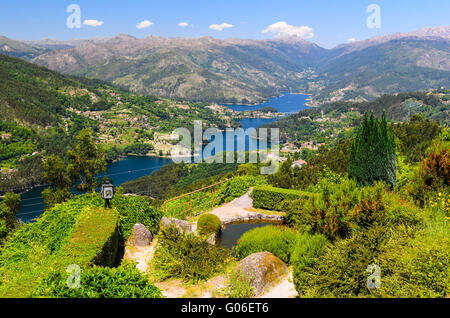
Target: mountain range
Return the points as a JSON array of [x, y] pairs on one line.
[[250, 71]]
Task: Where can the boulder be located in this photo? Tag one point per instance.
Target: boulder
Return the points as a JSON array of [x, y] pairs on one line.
[[212, 239], [183, 226], [140, 236], [262, 270]]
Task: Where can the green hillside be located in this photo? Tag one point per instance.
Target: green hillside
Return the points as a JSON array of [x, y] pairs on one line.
[[396, 66], [42, 111]]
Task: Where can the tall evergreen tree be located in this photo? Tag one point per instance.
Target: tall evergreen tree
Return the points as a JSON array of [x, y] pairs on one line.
[[372, 155]]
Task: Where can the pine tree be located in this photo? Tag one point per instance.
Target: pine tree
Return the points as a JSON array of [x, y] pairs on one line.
[[372, 155]]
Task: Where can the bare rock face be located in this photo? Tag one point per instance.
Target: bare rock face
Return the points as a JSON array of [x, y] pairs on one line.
[[140, 236], [183, 226], [262, 270], [212, 239]]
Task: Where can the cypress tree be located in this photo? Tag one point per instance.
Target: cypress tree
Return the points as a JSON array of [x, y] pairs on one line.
[[372, 155]]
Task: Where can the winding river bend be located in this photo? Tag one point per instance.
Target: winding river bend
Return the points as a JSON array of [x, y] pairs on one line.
[[131, 168]]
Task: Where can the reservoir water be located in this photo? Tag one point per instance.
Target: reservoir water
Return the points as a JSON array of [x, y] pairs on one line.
[[131, 168], [233, 232], [287, 104], [127, 169]]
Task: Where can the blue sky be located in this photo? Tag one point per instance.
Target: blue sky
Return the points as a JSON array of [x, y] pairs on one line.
[[329, 22]]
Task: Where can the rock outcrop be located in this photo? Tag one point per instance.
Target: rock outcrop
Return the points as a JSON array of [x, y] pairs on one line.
[[140, 236], [262, 270], [183, 226], [248, 217]]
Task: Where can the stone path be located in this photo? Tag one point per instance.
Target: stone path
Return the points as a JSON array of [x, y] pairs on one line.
[[240, 209], [141, 255]]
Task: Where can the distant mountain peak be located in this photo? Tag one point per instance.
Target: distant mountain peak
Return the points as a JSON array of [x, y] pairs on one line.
[[425, 33]]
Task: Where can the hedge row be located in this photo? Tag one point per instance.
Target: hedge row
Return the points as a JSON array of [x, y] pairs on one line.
[[95, 240], [270, 198], [75, 232]]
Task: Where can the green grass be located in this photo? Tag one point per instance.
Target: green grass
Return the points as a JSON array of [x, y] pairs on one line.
[[74, 232]]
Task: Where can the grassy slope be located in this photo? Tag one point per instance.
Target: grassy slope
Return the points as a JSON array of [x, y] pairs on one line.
[[67, 234]]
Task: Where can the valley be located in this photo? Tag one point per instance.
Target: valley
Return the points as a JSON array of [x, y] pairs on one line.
[[349, 198], [250, 71]]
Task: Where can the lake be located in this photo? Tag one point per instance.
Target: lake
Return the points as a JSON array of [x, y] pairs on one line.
[[131, 168], [287, 104], [127, 169]]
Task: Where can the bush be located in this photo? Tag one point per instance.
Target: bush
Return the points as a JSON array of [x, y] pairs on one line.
[[270, 198], [307, 249], [100, 282], [413, 264], [95, 239], [239, 285], [32, 250], [209, 224], [278, 240], [340, 271], [135, 210], [3, 225], [433, 174], [187, 257], [339, 208], [416, 267], [239, 186]]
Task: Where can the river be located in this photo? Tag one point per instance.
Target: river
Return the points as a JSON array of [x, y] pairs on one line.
[[131, 167]]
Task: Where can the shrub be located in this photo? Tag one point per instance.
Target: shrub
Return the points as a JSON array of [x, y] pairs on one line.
[[248, 169], [187, 257], [416, 267], [3, 225], [95, 239], [239, 285], [32, 250], [307, 249], [270, 198], [413, 264], [340, 271], [239, 186], [135, 210], [433, 174], [209, 224], [340, 208], [100, 282], [278, 240]]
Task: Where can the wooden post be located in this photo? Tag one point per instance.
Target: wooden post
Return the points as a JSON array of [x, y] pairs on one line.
[[212, 193], [190, 204]]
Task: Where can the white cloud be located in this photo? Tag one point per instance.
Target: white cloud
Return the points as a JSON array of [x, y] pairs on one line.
[[282, 29], [220, 27], [144, 24], [352, 40], [184, 24], [93, 23]]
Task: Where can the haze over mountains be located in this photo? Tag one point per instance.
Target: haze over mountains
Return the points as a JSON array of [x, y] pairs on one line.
[[249, 71]]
